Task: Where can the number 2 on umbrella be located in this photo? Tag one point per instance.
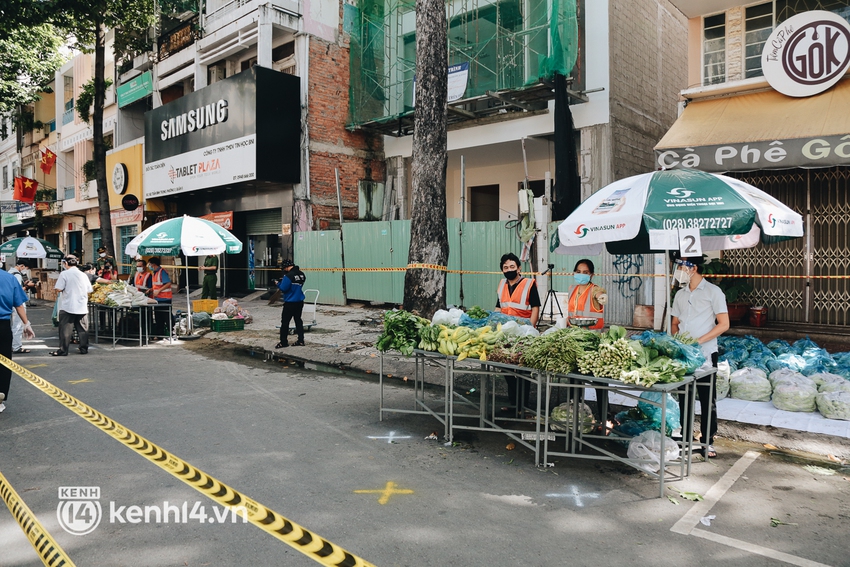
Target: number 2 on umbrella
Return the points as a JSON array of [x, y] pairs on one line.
[[690, 245]]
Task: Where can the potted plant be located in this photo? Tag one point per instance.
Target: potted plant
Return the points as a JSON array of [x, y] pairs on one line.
[[733, 288]]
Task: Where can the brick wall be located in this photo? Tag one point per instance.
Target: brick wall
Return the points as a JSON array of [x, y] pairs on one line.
[[649, 49], [331, 144]]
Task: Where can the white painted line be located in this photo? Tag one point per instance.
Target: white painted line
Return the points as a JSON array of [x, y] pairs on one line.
[[701, 509], [757, 549]]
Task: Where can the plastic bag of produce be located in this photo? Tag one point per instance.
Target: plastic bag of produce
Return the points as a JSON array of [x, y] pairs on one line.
[[737, 355], [801, 345], [778, 346], [455, 315], [722, 383], [794, 397], [757, 360], [647, 447], [750, 384], [835, 387], [654, 412], [792, 361], [834, 405], [817, 360], [511, 329], [561, 418], [788, 376], [201, 319], [632, 422], [690, 356], [467, 321], [821, 378], [527, 331], [495, 318]]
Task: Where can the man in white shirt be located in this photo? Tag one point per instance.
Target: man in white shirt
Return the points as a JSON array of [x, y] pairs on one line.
[[74, 306], [699, 309]]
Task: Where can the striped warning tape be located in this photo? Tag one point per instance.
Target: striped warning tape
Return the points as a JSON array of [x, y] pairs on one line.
[[48, 550], [298, 537]]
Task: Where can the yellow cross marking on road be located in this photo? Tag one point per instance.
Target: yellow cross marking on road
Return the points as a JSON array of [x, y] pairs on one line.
[[388, 491], [79, 381]]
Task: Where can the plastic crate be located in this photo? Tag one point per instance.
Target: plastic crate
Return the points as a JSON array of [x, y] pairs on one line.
[[225, 325], [207, 305]]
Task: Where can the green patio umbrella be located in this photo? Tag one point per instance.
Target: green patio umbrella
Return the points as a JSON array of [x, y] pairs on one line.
[[30, 247]]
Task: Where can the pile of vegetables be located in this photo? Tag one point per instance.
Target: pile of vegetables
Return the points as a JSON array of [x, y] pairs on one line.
[[117, 294], [560, 351], [477, 313], [613, 357], [511, 351], [401, 332]]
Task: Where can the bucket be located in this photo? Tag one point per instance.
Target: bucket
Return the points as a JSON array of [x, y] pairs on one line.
[[758, 316]]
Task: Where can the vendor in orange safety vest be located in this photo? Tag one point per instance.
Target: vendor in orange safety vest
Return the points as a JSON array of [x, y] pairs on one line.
[[518, 297], [143, 280], [587, 300], [161, 281]]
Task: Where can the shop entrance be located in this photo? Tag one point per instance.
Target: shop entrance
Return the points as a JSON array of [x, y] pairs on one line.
[[265, 252], [822, 196]]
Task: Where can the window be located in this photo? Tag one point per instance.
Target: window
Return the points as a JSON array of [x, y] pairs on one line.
[[125, 235], [5, 178], [484, 203], [714, 50], [787, 8], [95, 242], [758, 25]]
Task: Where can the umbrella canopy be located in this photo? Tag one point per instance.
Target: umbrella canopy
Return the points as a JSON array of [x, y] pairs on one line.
[[29, 247], [189, 235], [644, 213]]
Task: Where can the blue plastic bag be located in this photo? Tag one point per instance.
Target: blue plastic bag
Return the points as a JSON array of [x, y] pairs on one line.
[[792, 361], [778, 346], [653, 413], [690, 356], [467, 321], [737, 355], [799, 347]]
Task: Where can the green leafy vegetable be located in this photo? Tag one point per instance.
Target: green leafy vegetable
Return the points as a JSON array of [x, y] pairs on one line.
[[401, 332], [477, 313]]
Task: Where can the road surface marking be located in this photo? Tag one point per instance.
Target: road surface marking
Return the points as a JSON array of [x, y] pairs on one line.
[[575, 495], [83, 381], [391, 437], [386, 492]]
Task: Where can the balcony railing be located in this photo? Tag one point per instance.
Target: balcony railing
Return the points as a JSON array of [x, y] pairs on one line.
[[70, 193], [67, 117]]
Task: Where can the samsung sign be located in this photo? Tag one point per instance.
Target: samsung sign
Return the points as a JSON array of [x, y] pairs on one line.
[[245, 128], [196, 119]]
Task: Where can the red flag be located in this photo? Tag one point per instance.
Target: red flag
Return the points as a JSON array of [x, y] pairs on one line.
[[48, 158], [25, 189]]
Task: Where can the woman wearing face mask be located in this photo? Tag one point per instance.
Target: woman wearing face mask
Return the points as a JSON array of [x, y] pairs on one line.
[[699, 309], [587, 300], [143, 279]]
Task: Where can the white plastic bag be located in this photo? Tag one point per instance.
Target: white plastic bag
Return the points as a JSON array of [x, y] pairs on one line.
[[647, 447], [788, 376], [794, 397], [528, 331], [821, 378], [834, 405], [722, 384], [454, 316], [511, 329], [441, 317]]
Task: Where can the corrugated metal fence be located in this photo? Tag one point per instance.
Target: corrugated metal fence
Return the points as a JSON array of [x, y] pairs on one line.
[[473, 247]]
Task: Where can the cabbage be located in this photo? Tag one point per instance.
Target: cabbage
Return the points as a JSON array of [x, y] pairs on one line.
[[561, 418], [794, 397], [834, 405], [750, 384]]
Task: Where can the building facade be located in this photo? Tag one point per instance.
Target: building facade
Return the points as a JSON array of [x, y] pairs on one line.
[[740, 118]]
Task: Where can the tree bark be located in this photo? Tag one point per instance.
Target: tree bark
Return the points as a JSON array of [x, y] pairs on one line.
[[97, 133], [425, 289]]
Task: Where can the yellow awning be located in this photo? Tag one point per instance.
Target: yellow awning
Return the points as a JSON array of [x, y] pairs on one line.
[[745, 128]]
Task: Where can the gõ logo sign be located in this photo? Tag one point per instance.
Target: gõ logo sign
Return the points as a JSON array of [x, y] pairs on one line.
[[807, 54]]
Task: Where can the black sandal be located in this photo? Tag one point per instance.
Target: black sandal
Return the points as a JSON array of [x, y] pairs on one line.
[[281, 345], [58, 353], [21, 351]]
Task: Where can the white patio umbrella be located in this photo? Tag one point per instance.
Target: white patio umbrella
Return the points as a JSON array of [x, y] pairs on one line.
[[187, 235]]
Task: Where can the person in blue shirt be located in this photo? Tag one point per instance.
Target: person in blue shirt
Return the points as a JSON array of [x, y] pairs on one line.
[[290, 286], [12, 298]]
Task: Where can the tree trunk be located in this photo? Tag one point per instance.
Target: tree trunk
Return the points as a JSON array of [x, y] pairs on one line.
[[99, 148], [425, 289]]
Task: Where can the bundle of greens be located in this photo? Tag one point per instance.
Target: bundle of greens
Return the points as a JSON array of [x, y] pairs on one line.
[[477, 313], [510, 352], [401, 332], [560, 351]]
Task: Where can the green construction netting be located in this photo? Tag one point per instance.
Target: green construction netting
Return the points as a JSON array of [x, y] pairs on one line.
[[502, 44]]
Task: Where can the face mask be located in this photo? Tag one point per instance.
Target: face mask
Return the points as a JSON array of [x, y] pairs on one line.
[[581, 279], [140, 270], [510, 275], [683, 277], [103, 254], [151, 267]]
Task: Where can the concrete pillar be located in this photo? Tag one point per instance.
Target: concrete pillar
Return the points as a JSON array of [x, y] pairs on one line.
[[200, 72], [264, 38]]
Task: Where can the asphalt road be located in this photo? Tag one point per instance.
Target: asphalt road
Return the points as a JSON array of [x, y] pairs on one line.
[[310, 446]]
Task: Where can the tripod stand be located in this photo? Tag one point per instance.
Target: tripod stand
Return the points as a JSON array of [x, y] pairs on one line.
[[551, 297]]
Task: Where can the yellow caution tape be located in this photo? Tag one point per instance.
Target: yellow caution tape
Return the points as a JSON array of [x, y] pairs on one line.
[[50, 552], [296, 536]]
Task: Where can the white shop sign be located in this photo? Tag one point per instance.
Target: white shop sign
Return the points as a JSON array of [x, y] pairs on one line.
[[233, 161]]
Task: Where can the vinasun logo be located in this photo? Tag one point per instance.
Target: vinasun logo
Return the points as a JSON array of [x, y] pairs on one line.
[[680, 192], [772, 220], [583, 230]]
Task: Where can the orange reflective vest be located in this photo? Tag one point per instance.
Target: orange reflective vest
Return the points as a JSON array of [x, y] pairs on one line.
[[157, 284], [580, 305], [142, 280], [517, 303]]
